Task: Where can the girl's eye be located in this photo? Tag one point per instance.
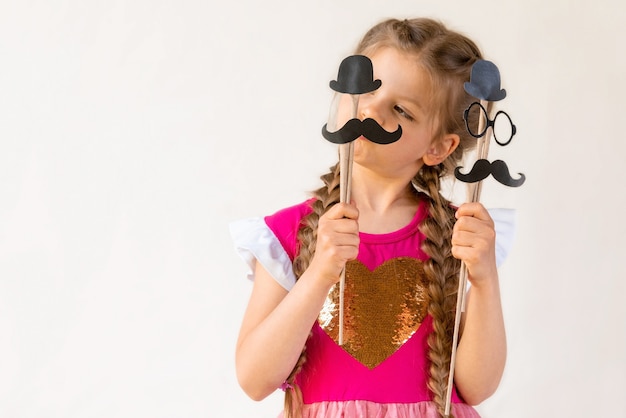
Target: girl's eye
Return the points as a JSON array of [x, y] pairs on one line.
[[402, 113]]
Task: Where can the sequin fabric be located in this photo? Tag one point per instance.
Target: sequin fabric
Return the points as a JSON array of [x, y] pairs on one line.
[[382, 308]]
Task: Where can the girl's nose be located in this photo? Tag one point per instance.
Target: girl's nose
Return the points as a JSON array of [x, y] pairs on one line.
[[369, 107]]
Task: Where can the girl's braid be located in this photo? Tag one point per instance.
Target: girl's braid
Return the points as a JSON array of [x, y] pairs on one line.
[[442, 270], [326, 196]]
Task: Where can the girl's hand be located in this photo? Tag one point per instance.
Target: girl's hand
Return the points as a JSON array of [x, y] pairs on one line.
[[337, 241], [473, 242]]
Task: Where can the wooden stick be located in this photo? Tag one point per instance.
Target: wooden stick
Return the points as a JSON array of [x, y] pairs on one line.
[[345, 170], [474, 191], [346, 157], [483, 150]]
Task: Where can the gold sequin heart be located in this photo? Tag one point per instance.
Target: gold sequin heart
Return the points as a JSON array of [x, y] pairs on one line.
[[382, 308]]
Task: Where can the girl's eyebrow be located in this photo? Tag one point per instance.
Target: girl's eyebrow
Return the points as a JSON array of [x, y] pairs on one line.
[[414, 102]]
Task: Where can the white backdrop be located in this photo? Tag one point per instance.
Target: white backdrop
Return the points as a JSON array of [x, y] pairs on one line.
[[133, 132]]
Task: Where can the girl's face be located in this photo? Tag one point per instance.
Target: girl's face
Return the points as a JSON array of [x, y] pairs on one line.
[[402, 99]]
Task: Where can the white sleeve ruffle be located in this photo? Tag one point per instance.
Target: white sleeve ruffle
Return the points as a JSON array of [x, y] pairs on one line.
[[504, 220], [254, 241]]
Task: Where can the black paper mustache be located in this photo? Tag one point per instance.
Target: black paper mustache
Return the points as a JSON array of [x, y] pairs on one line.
[[369, 128], [482, 168]]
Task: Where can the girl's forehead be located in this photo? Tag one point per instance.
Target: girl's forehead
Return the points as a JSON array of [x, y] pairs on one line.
[[403, 72], [389, 61]]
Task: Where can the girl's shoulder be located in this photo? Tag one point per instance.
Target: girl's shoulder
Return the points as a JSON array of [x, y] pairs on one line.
[[271, 241], [291, 214], [286, 222]]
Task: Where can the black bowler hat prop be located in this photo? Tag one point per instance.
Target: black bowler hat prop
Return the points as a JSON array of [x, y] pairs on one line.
[[355, 76], [484, 82]]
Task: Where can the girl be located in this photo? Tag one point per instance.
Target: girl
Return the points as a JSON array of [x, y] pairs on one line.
[[400, 243]]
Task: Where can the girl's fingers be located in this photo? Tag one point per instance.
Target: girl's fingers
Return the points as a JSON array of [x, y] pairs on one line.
[[339, 228], [473, 240], [473, 210], [342, 210], [337, 241], [467, 231]]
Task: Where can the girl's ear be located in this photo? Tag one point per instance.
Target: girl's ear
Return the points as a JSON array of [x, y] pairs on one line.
[[441, 149]]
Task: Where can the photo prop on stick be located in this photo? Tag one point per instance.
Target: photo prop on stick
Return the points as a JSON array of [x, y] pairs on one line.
[[484, 85], [483, 168], [484, 82], [367, 128], [355, 77]]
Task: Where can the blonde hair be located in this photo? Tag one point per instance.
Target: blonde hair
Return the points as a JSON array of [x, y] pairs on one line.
[[447, 57]]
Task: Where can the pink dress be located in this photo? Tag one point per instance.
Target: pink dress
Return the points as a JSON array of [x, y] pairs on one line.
[[382, 368]]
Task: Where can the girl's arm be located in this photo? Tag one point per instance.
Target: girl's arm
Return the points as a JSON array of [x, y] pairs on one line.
[[481, 353], [277, 323]]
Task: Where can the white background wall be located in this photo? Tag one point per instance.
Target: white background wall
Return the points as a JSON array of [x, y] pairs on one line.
[[133, 132]]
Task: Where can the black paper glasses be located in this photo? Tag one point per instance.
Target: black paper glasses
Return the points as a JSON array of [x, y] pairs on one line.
[[501, 124]]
